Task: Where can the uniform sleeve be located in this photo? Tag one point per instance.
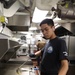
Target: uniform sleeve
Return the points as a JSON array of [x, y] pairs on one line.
[[63, 53]]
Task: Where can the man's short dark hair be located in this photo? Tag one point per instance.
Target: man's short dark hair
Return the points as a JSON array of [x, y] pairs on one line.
[[47, 21]]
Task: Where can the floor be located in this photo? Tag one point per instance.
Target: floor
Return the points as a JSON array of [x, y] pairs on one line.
[[11, 67]]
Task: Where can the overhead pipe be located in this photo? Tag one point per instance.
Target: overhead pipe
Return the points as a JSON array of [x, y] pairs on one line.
[[66, 12]]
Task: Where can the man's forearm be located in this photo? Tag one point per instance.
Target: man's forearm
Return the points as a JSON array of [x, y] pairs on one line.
[[64, 68], [63, 71], [38, 53]]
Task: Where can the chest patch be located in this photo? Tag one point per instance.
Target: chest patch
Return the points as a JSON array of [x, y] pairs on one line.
[[50, 49]]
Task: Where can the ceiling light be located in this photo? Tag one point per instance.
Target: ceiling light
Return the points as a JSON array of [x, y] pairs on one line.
[[26, 33], [33, 28], [38, 15]]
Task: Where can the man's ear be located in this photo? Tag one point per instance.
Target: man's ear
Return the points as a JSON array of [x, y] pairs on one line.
[[53, 28]]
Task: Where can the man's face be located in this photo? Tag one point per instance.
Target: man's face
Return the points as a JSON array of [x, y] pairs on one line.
[[47, 31]]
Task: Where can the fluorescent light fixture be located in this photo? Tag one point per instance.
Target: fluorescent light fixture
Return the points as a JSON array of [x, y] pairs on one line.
[[33, 28], [26, 33], [38, 15]]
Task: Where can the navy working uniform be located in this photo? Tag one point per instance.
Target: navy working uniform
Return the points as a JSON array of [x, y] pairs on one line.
[[52, 54]]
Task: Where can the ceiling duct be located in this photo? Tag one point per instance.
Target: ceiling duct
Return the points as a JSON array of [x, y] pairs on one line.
[[25, 2], [46, 4], [66, 10]]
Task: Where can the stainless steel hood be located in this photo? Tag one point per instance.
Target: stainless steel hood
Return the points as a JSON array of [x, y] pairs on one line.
[[19, 22], [61, 31], [70, 27]]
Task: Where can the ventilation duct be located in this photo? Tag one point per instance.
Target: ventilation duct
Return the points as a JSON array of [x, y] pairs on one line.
[[25, 2], [66, 10], [46, 4]]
